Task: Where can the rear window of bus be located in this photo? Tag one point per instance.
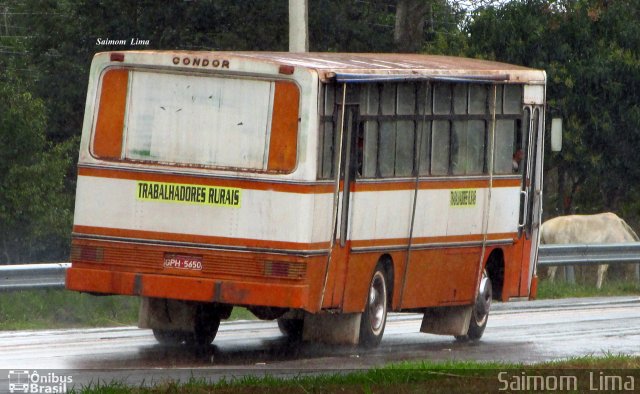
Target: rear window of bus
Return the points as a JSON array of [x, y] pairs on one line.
[[197, 120]]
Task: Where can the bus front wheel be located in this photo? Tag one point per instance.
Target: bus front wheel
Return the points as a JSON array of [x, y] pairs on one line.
[[480, 311], [374, 317]]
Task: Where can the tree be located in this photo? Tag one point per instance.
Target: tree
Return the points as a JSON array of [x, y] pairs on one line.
[[431, 26], [588, 47], [590, 50], [409, 26], [351, 26], [35, 213], [64, 39]]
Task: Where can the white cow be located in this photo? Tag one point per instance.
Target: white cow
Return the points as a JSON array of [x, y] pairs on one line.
[[587, 229]]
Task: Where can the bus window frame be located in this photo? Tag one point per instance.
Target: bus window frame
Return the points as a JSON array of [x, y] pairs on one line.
[[173, 166], [424, 121]]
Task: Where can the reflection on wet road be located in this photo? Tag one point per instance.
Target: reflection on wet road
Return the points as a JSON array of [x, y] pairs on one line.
[[517, 332]]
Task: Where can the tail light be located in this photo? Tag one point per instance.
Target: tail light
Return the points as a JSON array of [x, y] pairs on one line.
[[284, 269], [91, 254]]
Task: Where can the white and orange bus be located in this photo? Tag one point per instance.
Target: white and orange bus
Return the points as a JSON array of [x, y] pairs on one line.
[[319, 189]]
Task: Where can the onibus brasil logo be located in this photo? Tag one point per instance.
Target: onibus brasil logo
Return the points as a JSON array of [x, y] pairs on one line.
[[23, 381]]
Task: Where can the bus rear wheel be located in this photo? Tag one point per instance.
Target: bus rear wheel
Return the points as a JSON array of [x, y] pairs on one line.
[[480, 311], [374, 317], [207, 322], [205, 327], [292, 328], [169, 337]]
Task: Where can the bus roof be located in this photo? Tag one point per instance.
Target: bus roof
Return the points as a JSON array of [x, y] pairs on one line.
[[361, 67]]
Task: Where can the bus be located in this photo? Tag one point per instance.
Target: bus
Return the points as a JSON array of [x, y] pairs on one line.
[[323, 190]]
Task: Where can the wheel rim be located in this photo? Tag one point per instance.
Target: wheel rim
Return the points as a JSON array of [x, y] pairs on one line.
[[377, 304], [483, 301]]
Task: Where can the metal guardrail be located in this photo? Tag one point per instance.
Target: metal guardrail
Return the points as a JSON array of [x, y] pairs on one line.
[[570, 254], [32, 276], [40, 276]]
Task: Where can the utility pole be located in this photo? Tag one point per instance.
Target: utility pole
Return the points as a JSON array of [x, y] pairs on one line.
[[6, 25], [298, 26]]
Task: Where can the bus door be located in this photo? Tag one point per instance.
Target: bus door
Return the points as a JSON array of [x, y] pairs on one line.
[[534, 191], [348, 118], [528, 219], [347, 168]]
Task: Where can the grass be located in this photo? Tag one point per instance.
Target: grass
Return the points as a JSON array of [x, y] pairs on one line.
[[58, 308], [408, 377], [561, 289]]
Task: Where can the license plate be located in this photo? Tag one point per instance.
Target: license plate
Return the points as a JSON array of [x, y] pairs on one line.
[[183, 262]]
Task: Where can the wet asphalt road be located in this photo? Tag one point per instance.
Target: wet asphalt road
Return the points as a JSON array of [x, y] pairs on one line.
[[523, 332]]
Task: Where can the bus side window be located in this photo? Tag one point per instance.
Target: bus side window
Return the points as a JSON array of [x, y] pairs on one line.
[[389, 129], [505, 146], [442, 99], [467, 147], [440, 147], [424, 128], [513, 99], [469, 135], [328, 119], [405, 129], [476, 139], [369, 107], [326, 155], [387, 146], [512, 106], [441, 131], [509, 147], [424, 131]]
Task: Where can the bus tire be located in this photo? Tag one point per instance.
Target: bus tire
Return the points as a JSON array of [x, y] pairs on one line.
[[169, 337], [374, 317], [207, 322], [292, 328], [480, 311]]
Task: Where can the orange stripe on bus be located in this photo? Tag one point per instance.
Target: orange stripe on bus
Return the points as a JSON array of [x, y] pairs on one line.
[[430, 240], [308, 188], [248, 184], [432, 183], [107, 141], [283, 146], [507, 182]]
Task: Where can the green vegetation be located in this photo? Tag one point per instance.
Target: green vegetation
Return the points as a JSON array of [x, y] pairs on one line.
[[35, 209], [560, 289], [37, 309], [409, 377], [591, 53], [589, 48], [45, 309]]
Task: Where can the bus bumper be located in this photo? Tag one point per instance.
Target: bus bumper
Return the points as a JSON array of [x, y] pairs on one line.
[[189, 288]]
